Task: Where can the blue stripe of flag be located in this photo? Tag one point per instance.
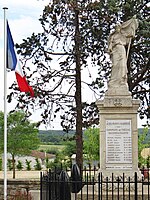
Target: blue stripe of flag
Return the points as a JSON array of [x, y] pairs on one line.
[[11, 55]]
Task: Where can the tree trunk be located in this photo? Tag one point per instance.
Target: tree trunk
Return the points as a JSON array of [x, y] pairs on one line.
[[13, 165], [79, 140]]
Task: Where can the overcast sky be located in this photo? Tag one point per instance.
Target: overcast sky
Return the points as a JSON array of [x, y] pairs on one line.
[[23, 20]]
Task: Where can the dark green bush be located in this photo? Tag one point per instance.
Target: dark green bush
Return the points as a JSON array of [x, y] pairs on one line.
[[37, 166], [28, 165], [19, 165], [1, 164], [9, 164]]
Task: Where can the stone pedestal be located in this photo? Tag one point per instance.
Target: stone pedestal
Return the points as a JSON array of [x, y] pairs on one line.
[[118, 133]]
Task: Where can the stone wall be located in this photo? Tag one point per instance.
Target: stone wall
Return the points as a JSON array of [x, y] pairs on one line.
[[17, 185]]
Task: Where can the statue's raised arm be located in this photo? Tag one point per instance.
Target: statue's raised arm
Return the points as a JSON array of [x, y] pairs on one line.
[[118, 40], [129, 27]]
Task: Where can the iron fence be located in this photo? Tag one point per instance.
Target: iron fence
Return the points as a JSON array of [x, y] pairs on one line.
[[91, 185]]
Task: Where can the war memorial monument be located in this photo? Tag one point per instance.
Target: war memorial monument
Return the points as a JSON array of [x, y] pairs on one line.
[[118, 111]]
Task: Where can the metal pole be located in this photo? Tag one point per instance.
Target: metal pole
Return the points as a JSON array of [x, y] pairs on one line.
[[41, 186], [5, 105], [136, 188]]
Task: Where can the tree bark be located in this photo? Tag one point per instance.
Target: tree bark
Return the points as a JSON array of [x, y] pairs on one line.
[[78, 98], [13, 165]]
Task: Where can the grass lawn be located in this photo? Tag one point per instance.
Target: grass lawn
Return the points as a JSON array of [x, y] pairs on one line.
[[44, 147]]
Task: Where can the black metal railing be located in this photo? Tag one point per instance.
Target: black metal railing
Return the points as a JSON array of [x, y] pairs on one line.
[[91, 185]]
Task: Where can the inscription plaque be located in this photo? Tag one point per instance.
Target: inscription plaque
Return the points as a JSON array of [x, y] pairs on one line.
[[118, 142]]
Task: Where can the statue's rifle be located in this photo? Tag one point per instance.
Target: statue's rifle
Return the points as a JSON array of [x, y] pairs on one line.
[[128, 47]]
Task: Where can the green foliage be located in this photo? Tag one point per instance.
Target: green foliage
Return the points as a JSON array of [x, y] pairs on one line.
[[1, 162], [91, 144], [19, 165], [47, 163], [54, 136], [147, 137], [9, 164], [22, 135], [52, 151], [141, 146], [54, 165], [70, 148], [37, 166], [28, 165], [63, 158], [51, 147]]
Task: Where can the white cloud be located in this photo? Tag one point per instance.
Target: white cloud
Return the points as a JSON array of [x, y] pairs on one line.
[[22, 16], [24, 27], [21, 6]]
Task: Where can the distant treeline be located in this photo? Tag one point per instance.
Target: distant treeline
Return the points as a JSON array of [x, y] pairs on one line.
[[55, 136], [59, 136]]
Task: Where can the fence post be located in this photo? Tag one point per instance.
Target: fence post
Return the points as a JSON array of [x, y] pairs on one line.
[[64, 186], [136, 186], [76, 179]]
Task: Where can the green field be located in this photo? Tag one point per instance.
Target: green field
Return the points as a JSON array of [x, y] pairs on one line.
[[51, 147]]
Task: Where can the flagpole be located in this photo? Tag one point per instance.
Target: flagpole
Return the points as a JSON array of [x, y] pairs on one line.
[[5, 105]]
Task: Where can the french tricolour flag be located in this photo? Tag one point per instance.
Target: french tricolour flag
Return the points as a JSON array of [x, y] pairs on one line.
[[14, 64]]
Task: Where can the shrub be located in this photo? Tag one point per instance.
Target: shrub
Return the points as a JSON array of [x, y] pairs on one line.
[[37, 166], [52, 150], [28, 165], [19, 165], [0, 164], [48, 163], [9, 164]]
